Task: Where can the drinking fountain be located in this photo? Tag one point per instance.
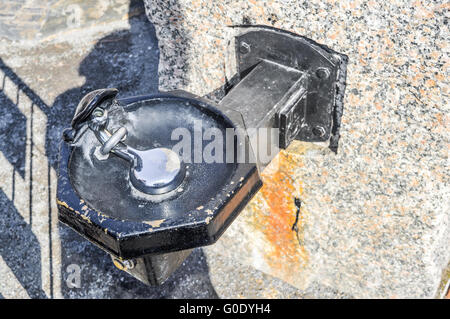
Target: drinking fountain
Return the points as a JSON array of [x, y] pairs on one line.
[[126, 185]]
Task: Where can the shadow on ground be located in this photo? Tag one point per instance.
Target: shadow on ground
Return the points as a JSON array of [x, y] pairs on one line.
[[22, 254], [127, 60]]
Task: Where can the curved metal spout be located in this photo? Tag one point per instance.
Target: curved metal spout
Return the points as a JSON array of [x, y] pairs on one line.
[[154, 171], [112, 143]]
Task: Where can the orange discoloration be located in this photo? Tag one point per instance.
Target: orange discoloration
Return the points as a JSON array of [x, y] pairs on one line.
[[285, 253]]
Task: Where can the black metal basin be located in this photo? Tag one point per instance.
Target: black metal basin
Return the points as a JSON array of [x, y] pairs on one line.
[[96, 198]]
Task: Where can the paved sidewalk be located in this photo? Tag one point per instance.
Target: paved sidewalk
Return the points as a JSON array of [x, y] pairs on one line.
[[51, 54]]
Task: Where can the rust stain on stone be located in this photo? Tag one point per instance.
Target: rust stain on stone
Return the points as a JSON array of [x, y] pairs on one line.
[[286, 253]]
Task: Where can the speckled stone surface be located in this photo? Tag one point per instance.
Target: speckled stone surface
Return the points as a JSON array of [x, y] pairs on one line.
[[375, 217], [51, 54], [374, 220]]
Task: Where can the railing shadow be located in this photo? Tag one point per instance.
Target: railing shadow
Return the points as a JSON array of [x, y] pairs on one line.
[[22, 253], [128, 60]]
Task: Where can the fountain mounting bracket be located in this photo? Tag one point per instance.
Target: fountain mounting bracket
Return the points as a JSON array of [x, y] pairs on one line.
[[289, 82]]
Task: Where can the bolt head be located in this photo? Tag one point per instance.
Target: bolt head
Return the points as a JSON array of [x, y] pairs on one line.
[[319, 131], [98, 112], [323, 73], [244, 48], [129, 264]]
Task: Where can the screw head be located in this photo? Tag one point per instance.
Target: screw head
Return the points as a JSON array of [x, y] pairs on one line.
[[244, 48], [322, 73]]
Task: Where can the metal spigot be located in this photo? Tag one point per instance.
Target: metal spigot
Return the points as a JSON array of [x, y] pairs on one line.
[[153, 171]]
